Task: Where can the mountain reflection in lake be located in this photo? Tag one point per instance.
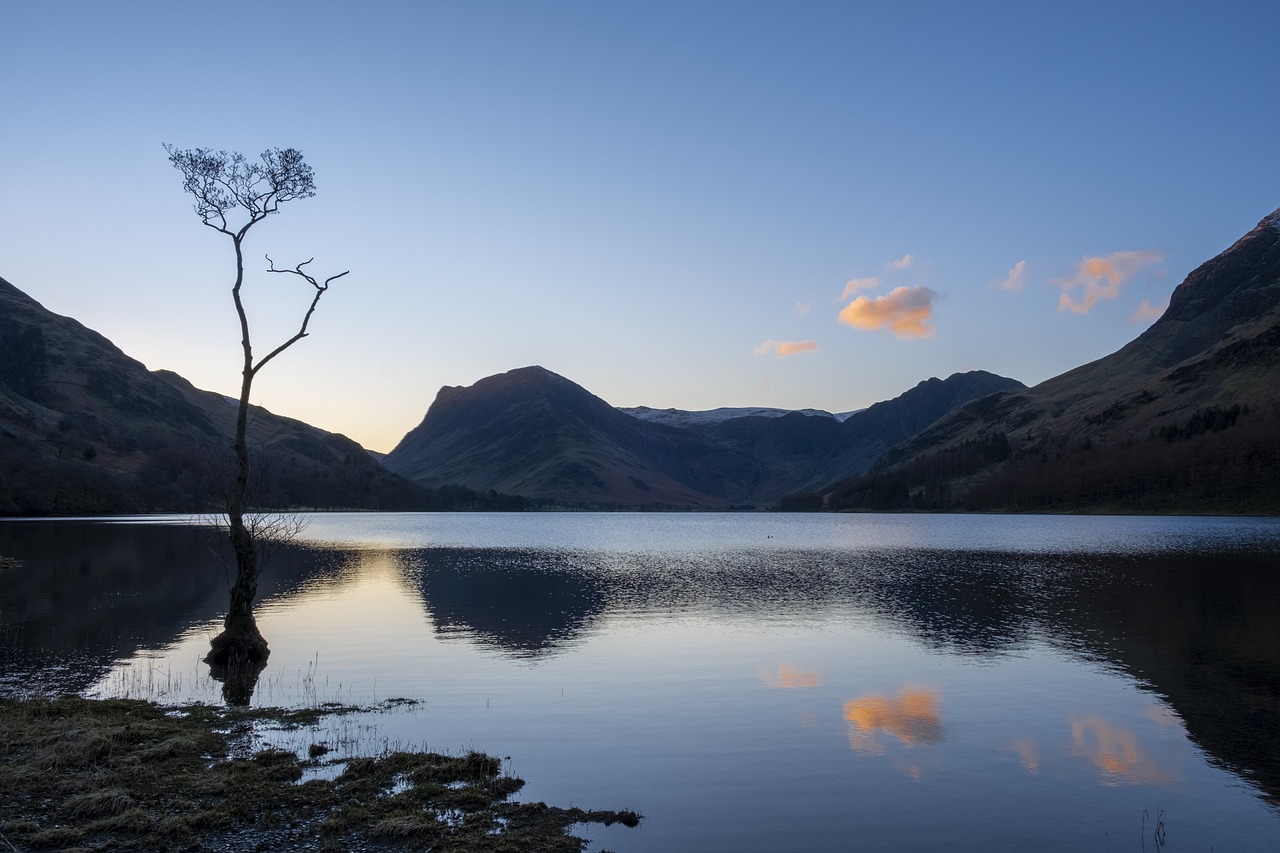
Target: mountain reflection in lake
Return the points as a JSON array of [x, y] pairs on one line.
[[750, 682]]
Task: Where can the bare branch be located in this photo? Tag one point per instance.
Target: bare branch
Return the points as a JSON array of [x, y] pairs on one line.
[[222, 181], [306, 319]]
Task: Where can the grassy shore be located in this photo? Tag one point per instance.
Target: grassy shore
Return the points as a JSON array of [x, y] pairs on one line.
[[117, 774]]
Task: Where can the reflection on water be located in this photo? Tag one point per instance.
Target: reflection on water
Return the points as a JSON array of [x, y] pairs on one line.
[[911, 717], [1028, 753], [788, 677], [94, 593], [1114, 750], [714, 671], [525, 603]]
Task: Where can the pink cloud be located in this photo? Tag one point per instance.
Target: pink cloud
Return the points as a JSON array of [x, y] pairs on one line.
[[1102, 278], [783, 349], [853, 285], [1147, 312], [1016, 280], [803, 308], [904, 310], [901, 263]]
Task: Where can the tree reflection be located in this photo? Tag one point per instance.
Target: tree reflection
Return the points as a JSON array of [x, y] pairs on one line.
[[238, 681]]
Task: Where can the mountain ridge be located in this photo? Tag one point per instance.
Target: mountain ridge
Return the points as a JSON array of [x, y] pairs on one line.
[[85, 428], [1184, 417], [532, 432]]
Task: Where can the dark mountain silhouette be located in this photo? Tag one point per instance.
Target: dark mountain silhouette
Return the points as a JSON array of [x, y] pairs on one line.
[[531, 432], [1185, 418], [86, 429]]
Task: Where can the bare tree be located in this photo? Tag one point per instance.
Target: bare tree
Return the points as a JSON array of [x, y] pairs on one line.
[[232, 195]]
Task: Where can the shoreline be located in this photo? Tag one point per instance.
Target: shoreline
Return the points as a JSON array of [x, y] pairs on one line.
[[117, 774]]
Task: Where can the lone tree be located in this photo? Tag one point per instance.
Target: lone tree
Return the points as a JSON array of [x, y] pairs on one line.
[[231, 196]]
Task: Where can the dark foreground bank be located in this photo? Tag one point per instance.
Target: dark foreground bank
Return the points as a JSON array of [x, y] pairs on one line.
[[87, 775]]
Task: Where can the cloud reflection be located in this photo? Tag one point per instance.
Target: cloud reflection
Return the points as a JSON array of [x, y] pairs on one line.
[[912, 718], [1115, 752], [1028, 753], [789, 678]]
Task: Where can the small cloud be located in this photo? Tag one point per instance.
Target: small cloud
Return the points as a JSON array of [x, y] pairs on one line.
[[904, 310], [1015, 281], [853, 285], [1102, 278], [782, 349], [803, 308], [1147, 312], [901, 263]]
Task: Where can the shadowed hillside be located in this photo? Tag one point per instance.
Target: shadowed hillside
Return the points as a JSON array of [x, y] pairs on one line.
[[86, 429], [1183, 419], [531, 432]]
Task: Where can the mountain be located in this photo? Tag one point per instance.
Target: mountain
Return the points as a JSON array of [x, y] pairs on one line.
[[84, 428], [533, 433], [1185, 418], [706, 417]]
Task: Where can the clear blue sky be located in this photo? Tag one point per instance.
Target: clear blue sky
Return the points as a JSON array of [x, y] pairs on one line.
[[670, 203]]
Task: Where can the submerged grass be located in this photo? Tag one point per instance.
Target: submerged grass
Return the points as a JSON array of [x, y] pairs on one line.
[[120, 774]]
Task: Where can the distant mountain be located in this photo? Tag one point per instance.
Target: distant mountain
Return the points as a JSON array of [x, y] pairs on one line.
[[531, 432], [706, 417], [86, 429], [1185, 418]]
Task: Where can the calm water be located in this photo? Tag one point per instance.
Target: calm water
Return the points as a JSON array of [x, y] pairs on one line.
[[748, 682]]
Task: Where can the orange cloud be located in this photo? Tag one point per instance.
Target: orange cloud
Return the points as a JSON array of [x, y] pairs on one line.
[[853, 285], [901, 263], [904, 310], [912, 718], [1147, 312], [1114, 751], [1016, 279], [782, 349], [789, 678], [1102, 278]]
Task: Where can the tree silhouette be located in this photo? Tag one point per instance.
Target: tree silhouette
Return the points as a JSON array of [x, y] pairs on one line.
[[232, 195]]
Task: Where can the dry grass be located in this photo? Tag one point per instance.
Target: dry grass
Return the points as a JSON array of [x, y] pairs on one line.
[[124, 774]]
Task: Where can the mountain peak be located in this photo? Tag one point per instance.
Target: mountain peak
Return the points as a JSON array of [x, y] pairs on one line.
[[1238, 286]]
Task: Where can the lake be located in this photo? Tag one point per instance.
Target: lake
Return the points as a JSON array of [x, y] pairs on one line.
[[746, 681]]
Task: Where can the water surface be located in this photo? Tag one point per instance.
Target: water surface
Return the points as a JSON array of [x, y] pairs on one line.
[[748, 682]]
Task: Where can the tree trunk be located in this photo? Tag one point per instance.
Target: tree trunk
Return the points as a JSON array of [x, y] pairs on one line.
[[240, 643], [240, 647]]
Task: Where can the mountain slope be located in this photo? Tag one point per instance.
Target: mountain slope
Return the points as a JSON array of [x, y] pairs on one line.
[[86, 429], [533, 433], [1183, 418]]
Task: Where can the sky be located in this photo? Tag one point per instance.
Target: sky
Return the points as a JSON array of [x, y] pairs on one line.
[[673, 204]]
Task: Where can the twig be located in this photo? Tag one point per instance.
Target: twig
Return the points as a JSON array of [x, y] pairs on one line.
[[6, 841]]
